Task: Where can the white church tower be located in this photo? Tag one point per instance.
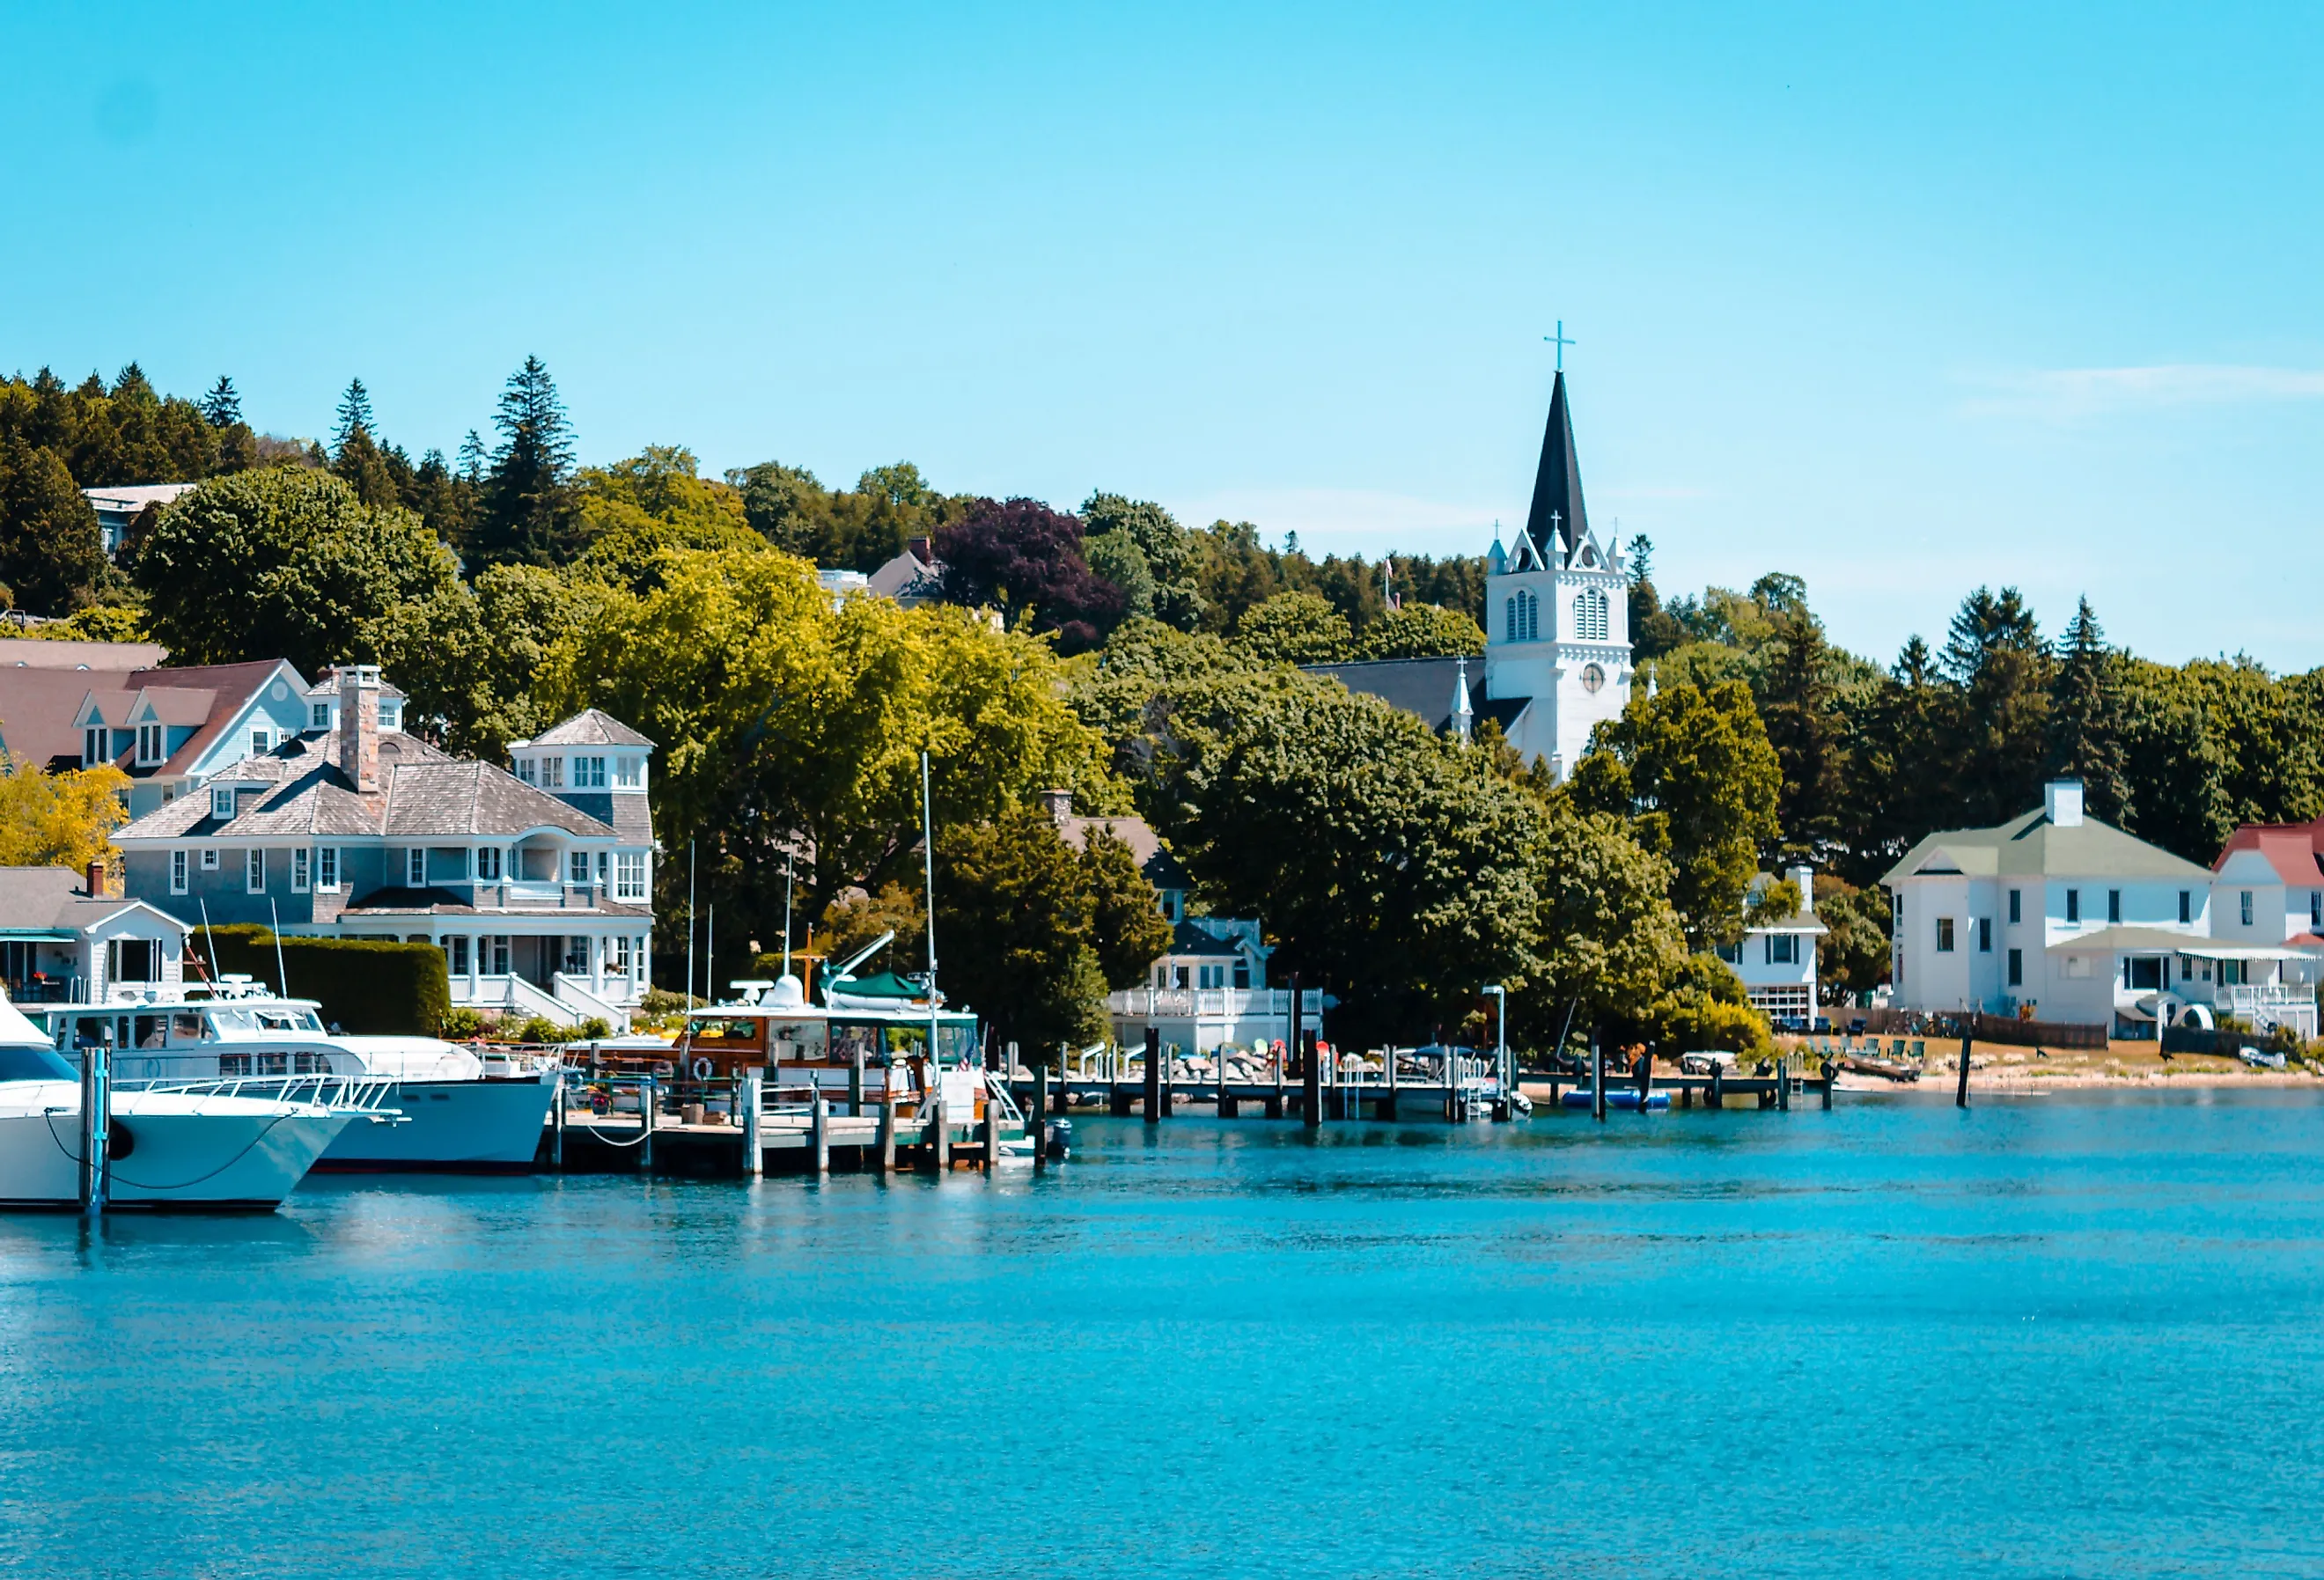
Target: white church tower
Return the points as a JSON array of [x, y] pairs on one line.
[[1557, 613]]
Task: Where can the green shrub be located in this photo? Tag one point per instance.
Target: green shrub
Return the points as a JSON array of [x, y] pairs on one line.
[[461, 1024], [368, 986], [541, 1028], [596, 1028]]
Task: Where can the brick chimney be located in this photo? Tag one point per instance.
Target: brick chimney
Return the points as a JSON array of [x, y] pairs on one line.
[[97, 879], [921, 550], [359, 724]]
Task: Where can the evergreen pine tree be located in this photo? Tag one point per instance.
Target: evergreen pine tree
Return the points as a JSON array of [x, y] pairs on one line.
[[528, 512], [1999, 667], [2085, 718], [1804, 728], [222, 408], [354, 416], [473, 457]]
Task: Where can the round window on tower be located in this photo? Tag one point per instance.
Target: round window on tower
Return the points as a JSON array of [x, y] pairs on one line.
[[1592, 677]]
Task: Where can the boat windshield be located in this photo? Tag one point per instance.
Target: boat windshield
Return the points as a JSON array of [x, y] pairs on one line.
[[19, 1063]]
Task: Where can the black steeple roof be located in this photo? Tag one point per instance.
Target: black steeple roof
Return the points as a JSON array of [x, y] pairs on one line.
[[1557, 485]]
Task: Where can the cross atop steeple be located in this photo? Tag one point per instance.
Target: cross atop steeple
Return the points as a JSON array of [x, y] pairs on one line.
[[1561, 342]]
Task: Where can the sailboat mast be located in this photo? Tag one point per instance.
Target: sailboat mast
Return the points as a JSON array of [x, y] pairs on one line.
[[929, 884]]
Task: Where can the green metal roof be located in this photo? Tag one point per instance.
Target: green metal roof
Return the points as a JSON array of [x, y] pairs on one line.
[[2031, 846]]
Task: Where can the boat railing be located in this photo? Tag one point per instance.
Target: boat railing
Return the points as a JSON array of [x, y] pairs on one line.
[[360, 1094]]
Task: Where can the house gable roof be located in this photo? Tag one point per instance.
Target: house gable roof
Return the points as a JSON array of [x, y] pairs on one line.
[[56, 899], [589, 728], [2031, 846], [424, 794], [2295, 851]]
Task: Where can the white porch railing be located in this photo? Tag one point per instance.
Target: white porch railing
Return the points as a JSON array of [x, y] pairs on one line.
[[577, 990], [1210, 1004]]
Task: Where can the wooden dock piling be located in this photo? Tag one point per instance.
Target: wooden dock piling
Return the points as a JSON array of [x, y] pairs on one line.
[[1968, 1032], [855, 1086], [1037, 1123], [887, 1134], [938, 1135], [556, 1129], [648, 1099], [819, 1121], [1311, 1078], [1783, 1082], [754, 1135], [1597, 1078], [1153, 1074]]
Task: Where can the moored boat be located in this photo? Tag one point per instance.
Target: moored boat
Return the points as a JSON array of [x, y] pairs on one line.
[[206, 1147], [461, 1114]]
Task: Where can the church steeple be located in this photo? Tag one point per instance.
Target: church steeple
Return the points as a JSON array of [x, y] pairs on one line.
[[1558, 511]]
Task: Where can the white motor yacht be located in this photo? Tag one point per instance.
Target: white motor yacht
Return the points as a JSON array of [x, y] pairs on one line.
[[200, 1147], [462, 1113]]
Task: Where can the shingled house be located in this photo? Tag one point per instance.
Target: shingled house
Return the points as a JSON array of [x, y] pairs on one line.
[[539, 894]]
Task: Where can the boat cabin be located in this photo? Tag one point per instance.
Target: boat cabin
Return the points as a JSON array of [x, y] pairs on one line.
[[877, 1048]]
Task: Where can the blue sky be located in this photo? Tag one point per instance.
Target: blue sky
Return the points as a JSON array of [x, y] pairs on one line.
[[1897, 300]]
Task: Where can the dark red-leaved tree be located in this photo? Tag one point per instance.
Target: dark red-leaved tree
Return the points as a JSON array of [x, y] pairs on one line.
[[1025, 560]]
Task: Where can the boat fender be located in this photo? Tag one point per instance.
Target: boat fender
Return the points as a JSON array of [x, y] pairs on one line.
[[702, 1069], [120, 1140]]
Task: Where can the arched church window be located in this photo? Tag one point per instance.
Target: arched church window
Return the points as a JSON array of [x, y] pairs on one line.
[[1512, 630], [1521, 617], [1589, 615]]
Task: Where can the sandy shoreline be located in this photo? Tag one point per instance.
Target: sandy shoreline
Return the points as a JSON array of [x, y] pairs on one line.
[[2006, 1067]]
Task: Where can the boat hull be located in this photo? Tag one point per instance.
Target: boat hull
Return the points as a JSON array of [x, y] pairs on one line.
[[184, 1153], [448, 1127]]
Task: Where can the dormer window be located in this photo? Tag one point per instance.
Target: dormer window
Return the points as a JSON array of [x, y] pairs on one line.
[[318, 716], [629, 773], [222, 805], [588, 774], [552, 773], [525, 770], [92, 747], [390, 714], [262, 741], [150, 743]]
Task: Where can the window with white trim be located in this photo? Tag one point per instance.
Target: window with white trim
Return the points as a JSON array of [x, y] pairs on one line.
[[415, 867], [1523, 616], [92, 747], [211, 859], [318, 716], [577, 866], [617, 956], [525, 771], [300, 859], [457, 949], [150, 738], [1783, 948], [222, 805], [255, 880], [629, 773], [488, 863], [629, 875], [178, 862], [2245, 912], [1589, 615], [552, 773], [327, 869], [262, 741], [588, 774], [390, 714]]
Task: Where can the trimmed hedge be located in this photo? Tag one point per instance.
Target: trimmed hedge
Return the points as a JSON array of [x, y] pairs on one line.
[[368, 986]]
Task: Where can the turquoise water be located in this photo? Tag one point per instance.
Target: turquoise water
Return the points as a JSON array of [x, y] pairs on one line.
[[2077, 1336]]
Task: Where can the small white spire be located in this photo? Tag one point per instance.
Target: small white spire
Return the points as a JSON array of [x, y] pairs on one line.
[[1461, 714]]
